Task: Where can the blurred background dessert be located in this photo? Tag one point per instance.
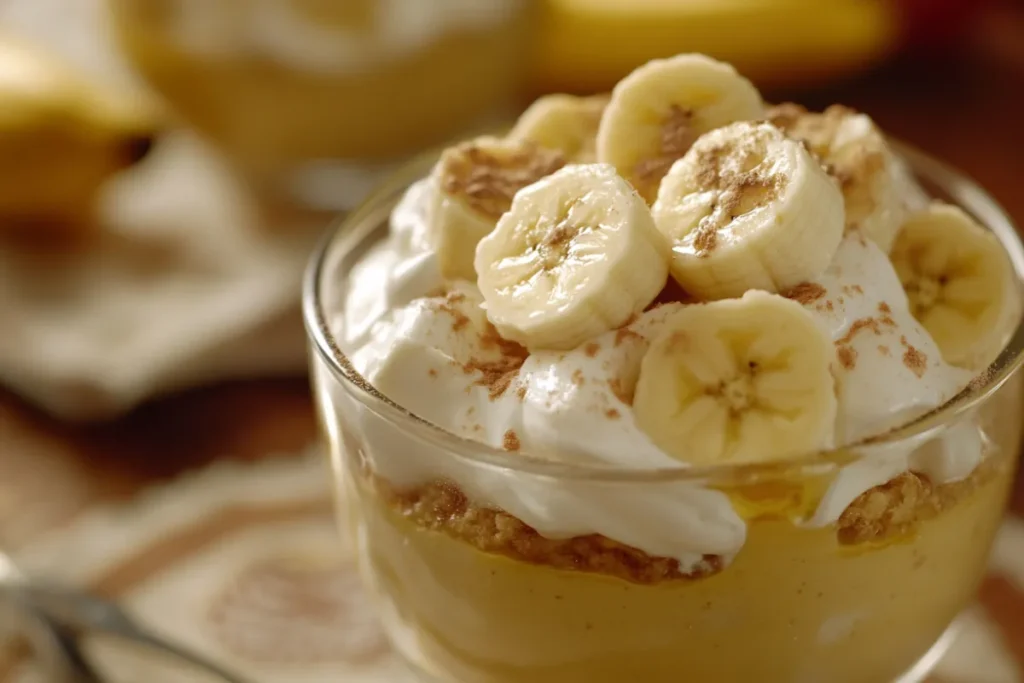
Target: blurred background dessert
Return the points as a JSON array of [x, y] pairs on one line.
[[314, 87]]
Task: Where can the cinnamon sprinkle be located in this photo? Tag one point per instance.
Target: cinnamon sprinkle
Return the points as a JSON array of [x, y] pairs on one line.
[[914, 359], [497, 375], [847, 357], [857, 326], [510, 442], [591, 349], [620, 392], [805, 293], [489, 179], [625, 333]]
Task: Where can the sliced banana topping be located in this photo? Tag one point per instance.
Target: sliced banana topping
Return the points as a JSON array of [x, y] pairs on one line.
[[748, 208], [877, 192], [958, 281], [576, 255], [660, 109], [473, 185], [741, 380], [563, 122]]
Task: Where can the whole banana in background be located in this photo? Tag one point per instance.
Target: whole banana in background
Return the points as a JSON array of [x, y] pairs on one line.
[[62, 135], [585, 46]]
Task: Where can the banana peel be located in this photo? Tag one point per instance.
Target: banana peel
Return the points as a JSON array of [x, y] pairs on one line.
[[585, 46], [62, 136]]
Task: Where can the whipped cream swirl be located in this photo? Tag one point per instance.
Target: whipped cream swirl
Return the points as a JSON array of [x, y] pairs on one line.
[[436, 354]]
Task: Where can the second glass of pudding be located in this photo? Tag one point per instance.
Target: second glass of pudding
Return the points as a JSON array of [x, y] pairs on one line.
[[517, 529], [314, 100]]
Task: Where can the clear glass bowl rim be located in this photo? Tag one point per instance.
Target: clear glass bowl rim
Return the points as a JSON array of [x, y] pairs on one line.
[[363, 223]]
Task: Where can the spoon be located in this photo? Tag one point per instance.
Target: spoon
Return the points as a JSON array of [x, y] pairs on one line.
[[59, 616]]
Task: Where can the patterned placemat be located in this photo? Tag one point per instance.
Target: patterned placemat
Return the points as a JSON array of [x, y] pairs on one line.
[[243, 562]]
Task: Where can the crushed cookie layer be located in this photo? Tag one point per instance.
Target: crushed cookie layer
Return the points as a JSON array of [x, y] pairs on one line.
[[889, 510], [443, 507], [894, 508]]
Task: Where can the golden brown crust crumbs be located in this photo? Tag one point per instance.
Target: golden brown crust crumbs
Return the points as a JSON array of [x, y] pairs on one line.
[[444, 508], [889, 510], [805, 293], [488, 180], [896, 507]]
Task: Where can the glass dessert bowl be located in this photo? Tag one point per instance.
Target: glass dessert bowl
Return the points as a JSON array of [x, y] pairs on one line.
[[581, 435]]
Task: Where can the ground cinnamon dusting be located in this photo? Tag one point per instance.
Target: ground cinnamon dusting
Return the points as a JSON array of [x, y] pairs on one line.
[[847, 357], [510, 442], [805, 293], [591, 349], [857, 326], [612, 414], [432, 372], [577, 377], [732, 171], [497, 375], [677, 136], [625, 333], [450, 306], [620, 391], [914, 359], [489, 179]]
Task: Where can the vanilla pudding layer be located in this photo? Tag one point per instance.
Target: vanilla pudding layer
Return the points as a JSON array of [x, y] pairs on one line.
[[426, 344]]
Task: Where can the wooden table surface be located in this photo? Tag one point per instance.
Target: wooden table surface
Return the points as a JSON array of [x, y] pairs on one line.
[[969, 111]]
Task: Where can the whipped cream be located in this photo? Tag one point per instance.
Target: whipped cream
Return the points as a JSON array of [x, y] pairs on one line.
[[436, 355], [279, 30]]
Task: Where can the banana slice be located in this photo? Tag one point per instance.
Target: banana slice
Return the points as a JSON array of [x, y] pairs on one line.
[[575, 256], [748, 208], [878, 193], [743, 380], [660, 109], [563, 122], [473, 185], [958, 281]]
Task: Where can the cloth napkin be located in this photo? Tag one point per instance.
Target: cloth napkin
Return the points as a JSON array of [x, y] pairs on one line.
[[244, 563], [190, 283]]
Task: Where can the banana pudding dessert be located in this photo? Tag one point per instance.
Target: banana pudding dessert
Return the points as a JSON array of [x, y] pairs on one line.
[[630, 394]]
